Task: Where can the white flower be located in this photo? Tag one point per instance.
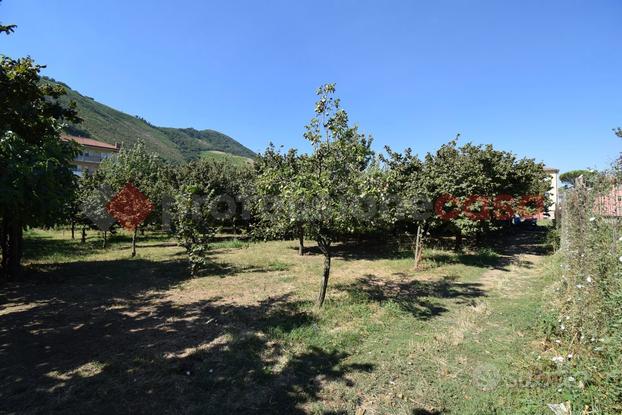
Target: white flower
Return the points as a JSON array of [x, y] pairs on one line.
[[579, 286], [588, 279], [558, 359], [620, 239], [562, 327], [620, 259], [570, 355], [592, 219]]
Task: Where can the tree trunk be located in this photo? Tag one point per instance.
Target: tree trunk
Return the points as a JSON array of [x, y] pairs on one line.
[[458, 245], [73, 230], [11, 237], [83, 237], [105, 239], [418, 248], [4, 248], [325, 247], [134, 242], [301, 241], [15, 250]]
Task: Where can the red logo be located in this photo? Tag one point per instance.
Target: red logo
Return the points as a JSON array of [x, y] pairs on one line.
[[130, 207]]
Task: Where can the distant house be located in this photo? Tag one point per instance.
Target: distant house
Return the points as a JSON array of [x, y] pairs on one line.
[[93, 153], [610, 204], [553, 193]]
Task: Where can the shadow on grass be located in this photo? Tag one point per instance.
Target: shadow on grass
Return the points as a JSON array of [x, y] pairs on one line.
[[105, 337], [420, 298], [40, 246], [498, 255], [483, 258], [225, 270], [374, 250], [353, 250]]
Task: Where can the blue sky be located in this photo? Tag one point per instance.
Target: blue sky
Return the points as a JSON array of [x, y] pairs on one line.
[[540, 78]]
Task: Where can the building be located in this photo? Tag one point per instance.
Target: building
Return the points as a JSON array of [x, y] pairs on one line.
[[553, 193], [93, 153], [610, 204]]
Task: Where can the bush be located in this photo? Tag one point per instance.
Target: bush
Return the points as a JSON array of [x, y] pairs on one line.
[[586, 338]]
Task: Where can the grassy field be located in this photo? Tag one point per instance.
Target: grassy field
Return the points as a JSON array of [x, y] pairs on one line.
[[93, 330], [226, 157]]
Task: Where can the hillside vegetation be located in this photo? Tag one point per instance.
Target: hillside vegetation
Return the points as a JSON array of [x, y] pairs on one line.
[[226, 157], [107, 124]]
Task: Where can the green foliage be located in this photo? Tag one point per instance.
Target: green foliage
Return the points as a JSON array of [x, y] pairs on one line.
[[35, 174], [194, 143], [569, 178], [145, 170], [208, 194], [276, 215], [589, 305], [229, 183], [326, 193], [332, 188], [7, 29], [192, 226], [472, 170], [91, 202], [227, 157]]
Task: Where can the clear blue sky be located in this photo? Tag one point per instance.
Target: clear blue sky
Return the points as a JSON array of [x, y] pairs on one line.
[[539, 78]]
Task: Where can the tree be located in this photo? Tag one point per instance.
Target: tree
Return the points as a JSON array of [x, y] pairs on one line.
[[135, 168], [35, 164], [230, 184], [569, 178], [330, 189], [406, 206], [7, 29], [277, 217], [192, 217], [464, 182], [90, 204], [192, 227]]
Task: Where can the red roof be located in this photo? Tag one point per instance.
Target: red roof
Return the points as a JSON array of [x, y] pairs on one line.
[[89, 142]]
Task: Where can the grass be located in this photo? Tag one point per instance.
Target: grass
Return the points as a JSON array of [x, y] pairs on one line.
[[91, 329], [233, 159]]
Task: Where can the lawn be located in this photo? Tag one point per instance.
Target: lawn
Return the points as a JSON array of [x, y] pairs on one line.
[[93, 330]]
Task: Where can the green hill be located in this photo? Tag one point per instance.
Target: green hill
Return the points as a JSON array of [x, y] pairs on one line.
[[107, 124], [227, 158]]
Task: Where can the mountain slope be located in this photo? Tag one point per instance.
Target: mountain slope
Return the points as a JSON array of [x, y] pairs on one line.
[[107, 124], [192, 143]]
